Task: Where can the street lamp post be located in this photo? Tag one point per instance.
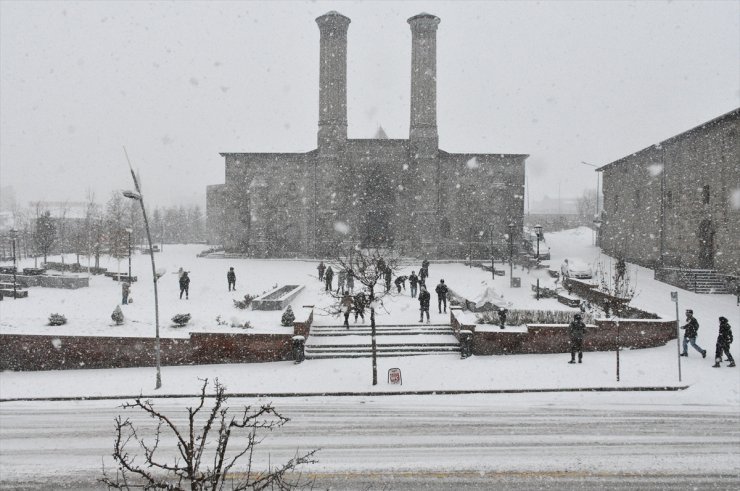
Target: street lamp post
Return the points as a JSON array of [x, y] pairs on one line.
[[538, 231], [13, 236], [129, 252], [140, 198], [511, 255]]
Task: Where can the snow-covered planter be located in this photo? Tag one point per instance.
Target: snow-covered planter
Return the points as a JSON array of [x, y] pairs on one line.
[[181, 319], [57, 320], [523, 317]]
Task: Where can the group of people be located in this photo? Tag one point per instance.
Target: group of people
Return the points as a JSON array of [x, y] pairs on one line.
[[351, 303], [724, 339], [577, 330]]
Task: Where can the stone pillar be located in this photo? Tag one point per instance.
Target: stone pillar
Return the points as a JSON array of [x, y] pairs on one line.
[[423, 128], [332, 82]]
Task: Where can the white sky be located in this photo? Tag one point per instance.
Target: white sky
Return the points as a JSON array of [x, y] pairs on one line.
[[176, 83]]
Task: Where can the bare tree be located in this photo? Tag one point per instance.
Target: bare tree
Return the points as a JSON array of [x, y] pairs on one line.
[[586, 206], [203, 461], [369, 268]]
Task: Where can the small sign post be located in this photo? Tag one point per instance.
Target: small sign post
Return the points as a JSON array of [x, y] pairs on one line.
[[674, 298], [394, 376]]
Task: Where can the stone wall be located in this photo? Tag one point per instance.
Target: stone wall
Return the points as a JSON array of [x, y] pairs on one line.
[[675, 203]]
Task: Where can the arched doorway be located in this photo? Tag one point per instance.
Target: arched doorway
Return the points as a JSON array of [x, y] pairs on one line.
[[706, 244]]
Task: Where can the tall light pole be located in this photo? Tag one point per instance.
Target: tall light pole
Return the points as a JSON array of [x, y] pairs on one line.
[[597, 185], [129, 252], [13, 236], [511, 255], [538, 231], [140, 198]]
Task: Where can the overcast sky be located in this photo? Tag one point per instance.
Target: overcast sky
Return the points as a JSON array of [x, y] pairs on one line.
[[179, 82]]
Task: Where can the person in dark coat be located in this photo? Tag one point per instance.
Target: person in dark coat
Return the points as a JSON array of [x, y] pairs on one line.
[[425, 266], [689, 336], [424, 298], [328, 276], [184, 285], [502, 313], [125, 290], [576, 329], [321, 269], [400, 282], [724, 340], [231, 278], [341, 279], [388, 276], [360, 301], [423, 275], [442, 291], [346, 306], [621, 269], [350, 281], [414, 283]]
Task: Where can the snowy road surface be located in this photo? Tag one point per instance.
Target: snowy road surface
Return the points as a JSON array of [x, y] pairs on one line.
[[415, 442]]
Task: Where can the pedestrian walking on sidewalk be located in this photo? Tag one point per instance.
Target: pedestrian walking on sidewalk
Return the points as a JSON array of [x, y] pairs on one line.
[[328, 276], [691, 329], [577, 330], [346, 306], [424, 298], [724, 340], [442, 291]]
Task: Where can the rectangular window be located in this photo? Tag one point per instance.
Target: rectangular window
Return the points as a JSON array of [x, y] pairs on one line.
[[705, 194], [637, 198], [669, 199]]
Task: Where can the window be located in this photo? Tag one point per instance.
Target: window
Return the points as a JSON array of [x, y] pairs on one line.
[[637, 198], [669, 199], [705, 194]]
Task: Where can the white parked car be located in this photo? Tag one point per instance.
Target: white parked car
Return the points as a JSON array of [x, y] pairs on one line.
[[579, 269]]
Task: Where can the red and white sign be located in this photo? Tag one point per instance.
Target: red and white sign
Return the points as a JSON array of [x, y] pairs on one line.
[[394, 376]]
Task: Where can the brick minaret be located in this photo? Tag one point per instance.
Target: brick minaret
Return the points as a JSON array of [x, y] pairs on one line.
[[332, 82], [423, 130]]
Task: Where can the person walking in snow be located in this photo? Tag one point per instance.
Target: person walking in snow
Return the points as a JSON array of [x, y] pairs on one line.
[[346, 306], [388, 276], [328, 276], [414, 284], [184, 285], [350, 281], [231, 278], [424, 298], [576, 330], [341, 280], [424, 273], [564, 269], [359, 303], [689, 336], [125, 290], [400, 282], [442, 291], [724, 340], [321, 269], [425, 266]]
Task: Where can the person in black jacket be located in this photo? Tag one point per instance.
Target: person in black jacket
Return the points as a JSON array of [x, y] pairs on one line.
[[692, 328], [400, 282], [388, 276], [184, 285], [424, 298], [231, 279], [724, 340], [321, 269], [328, 276], [441, 295], [414, 282], [360, 301], [576, 330]]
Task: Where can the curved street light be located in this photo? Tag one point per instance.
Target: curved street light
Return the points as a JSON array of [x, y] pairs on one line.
[[136, 195]]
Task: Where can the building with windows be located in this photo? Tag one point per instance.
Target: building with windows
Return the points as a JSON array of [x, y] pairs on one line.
[[402, 193], [676, 204]]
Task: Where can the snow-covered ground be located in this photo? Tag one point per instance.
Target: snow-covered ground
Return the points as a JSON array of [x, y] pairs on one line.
[[88, 311]]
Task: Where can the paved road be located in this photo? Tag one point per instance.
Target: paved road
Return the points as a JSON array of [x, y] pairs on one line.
[[418, 443]]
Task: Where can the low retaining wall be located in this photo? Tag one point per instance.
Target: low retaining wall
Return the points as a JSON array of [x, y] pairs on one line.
[[48, 281], [554, 338]]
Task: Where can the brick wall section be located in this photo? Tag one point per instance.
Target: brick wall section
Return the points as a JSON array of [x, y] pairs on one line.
[[29, 352], [553, 338]]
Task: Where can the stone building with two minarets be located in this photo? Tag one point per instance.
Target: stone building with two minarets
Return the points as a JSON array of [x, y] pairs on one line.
[[402, 193]]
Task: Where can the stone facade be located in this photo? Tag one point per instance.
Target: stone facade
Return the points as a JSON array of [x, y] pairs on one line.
[[675, 204], [407, 194]]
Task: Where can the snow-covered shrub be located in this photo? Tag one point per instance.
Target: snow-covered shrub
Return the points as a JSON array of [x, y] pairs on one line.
[[241, 325], [244, 304], [288, 317], [57, 320], [181, 319], [521, 317], [117, 315]]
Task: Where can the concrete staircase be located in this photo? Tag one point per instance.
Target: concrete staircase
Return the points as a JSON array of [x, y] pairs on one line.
[[391, 340], [695, 280]]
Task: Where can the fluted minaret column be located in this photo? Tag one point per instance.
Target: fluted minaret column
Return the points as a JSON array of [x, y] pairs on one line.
[[423, 130], [332, 81]]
